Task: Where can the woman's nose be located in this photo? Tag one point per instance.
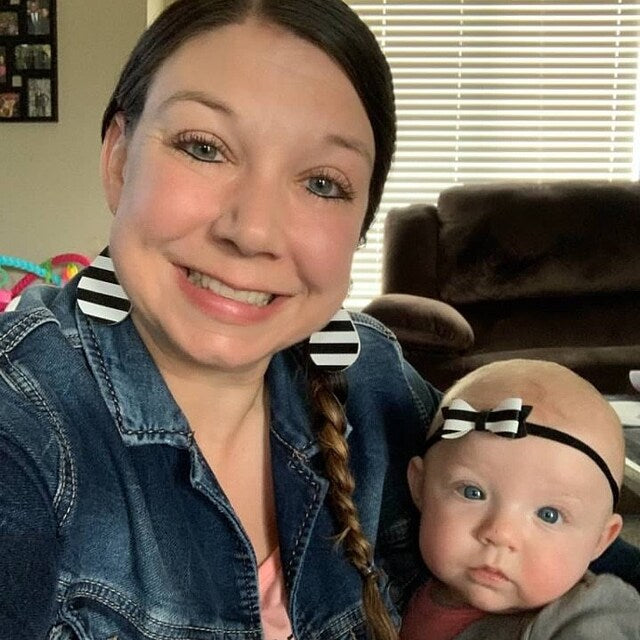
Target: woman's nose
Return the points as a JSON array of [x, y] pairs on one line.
[[250, 220], [500, 529]]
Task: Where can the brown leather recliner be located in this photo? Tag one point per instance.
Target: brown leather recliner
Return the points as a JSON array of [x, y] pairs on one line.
[[504, 270]]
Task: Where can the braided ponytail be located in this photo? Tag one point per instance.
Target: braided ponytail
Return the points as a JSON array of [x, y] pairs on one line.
[[328, 394]]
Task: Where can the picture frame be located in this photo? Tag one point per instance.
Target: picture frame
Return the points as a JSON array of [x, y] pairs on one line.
[[28, 61]]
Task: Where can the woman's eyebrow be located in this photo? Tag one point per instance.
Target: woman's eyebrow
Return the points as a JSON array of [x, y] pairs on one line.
[[197, 96], [353, 144]]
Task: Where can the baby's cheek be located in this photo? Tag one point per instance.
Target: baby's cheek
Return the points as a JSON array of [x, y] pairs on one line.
[[439, 548], [545, 577]]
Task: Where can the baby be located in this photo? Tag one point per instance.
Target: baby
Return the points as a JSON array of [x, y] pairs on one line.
[[517, 491]]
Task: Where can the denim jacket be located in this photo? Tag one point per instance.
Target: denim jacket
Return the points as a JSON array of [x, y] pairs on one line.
[[112, 525]]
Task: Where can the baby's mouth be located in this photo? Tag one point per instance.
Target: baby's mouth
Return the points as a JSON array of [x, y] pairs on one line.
[[488, 573], [255, 298]]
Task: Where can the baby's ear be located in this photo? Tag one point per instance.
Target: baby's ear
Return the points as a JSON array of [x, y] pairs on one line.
[[415, 475], [610, 532]]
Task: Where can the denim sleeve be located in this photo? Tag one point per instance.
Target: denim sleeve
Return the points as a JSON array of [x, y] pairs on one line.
[[29, 548], [426, 396]]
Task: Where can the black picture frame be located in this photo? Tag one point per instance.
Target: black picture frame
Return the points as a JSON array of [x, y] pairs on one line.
[[28, 61]]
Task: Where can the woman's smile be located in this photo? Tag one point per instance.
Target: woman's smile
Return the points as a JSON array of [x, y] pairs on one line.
[[254, 298], [220, 302]]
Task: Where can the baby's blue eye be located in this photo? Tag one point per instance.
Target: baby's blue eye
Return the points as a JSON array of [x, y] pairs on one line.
[[471, 492], [548, 515]]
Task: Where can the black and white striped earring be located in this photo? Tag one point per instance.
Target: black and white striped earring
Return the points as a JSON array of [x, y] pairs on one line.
[[100, 295], [337, 345]]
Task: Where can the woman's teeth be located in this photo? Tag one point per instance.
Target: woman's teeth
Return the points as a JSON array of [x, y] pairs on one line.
[[255, 298]]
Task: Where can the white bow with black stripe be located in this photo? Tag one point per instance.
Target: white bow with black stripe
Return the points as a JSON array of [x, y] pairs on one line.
[[508, 419]]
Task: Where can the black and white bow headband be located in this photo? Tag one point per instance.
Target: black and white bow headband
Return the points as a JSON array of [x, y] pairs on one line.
[[509, 420]]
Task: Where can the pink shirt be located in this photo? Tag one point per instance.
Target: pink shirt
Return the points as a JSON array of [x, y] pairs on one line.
[[427, 620], [273, 599]]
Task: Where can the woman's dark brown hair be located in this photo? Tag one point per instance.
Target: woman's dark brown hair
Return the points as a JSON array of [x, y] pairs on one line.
[[329, 24], [333, 27]]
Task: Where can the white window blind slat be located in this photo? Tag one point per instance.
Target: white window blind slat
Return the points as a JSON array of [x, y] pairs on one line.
[[490, 91]]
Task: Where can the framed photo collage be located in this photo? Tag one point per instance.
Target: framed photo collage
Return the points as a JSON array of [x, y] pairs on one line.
[[28, 61]]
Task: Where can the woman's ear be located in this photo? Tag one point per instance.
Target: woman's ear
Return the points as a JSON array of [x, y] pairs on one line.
[[112, 161], [415, 476], [610, 532]]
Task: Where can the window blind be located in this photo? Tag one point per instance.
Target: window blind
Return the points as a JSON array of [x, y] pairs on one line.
[[489, 91]]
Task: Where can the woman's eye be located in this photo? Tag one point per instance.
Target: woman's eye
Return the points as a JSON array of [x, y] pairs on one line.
[[471, 492], [326, 187], [550, 515], [203, 150]]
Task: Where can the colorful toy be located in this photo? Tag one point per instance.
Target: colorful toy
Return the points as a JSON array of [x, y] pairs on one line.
[[67, 263]]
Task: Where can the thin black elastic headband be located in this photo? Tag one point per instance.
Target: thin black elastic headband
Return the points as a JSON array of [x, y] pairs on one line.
[[508, 420]]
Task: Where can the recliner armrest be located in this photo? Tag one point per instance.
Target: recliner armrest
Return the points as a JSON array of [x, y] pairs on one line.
[[422, 323]]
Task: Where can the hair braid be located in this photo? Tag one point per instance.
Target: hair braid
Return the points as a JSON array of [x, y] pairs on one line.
[[327, 391]]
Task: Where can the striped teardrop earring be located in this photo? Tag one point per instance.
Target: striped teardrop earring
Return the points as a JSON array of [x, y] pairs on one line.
[[100, 295], [337, 345]]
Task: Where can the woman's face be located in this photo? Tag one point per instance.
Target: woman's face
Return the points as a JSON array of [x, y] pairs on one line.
[[238, 197]]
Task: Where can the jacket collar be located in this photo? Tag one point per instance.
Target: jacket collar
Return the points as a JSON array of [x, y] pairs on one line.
[[143, 408]]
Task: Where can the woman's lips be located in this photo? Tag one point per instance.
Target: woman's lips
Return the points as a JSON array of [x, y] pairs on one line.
[[231, 308], [254, 298]]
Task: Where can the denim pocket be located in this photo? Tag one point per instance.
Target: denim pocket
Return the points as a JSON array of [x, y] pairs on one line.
[[94, 611]]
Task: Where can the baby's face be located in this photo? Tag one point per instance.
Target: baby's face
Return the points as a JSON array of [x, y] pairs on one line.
[[510, 524]]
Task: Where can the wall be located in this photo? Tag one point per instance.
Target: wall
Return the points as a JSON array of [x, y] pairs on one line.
[[154, 7], [50, 193]]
